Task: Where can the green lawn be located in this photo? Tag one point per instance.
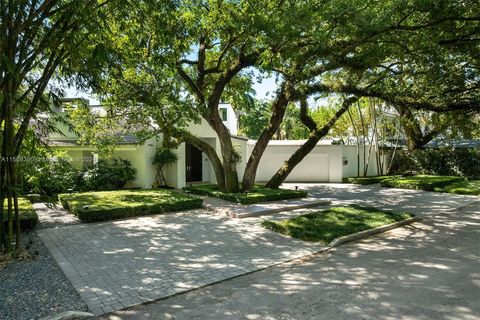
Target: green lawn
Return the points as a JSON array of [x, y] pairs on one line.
[[28, 216], [324, 226], [471, 187], [366, 180], [450, 184], [421, 182], [109, 205], [260, 194]]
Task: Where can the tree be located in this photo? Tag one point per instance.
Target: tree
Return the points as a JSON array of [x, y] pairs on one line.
[[409, 72], [163, 158], [37, 38], [254, 119], [205, 47], [421, 127], [316, 133]]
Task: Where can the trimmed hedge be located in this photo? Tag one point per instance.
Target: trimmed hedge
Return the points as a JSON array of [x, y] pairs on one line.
[[110, 205], [446, 161], [28, 215], [366, 180], [420, 182], [260, 194]]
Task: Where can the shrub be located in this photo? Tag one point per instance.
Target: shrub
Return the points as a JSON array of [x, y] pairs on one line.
[[260, 194], [107, 175], [49, 177], [420, 182], [366, 180], [463, 162], [110, 205], [163, 157], [28, 216]]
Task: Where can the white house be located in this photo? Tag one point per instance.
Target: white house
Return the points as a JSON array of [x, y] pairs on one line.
[[326, 163]]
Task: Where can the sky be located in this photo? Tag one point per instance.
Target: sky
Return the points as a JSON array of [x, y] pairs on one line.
[[264, 90]]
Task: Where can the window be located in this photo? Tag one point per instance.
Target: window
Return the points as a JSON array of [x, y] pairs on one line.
[[223, 114]]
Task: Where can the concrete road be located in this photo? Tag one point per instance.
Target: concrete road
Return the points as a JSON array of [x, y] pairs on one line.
[[429, 270]]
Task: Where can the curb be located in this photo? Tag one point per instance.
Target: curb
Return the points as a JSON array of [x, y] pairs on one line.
[[275, 210], [366, 233]]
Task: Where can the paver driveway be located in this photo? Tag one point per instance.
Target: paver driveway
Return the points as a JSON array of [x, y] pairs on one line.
[[414, 201], [118, 264], [427, 271]]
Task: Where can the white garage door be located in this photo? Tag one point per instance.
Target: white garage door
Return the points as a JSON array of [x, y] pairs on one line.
[[313, 168]]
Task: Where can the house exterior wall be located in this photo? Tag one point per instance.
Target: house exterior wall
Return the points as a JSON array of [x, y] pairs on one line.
[[350, 155], [326, 163], [323, 164], [241, 146], [232, 121], [139, 156]]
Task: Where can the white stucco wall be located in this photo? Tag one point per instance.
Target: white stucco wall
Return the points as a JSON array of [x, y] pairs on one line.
[[323, 164], [350, 155], [232, 121], [241, 145]]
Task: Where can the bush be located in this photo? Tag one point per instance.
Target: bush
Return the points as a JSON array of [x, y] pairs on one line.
[[420, 182], [49, 177], [107, 175], [463, 162], [163, 157], [366, 180], [28, 216], [260, 194], [110, 205]]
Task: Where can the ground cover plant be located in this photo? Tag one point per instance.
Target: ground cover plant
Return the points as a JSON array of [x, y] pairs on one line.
[[260, 194], [28, 216], [366, 180], [109, 205], [468, 187], [420, 182], [324, 226], [448, 184]]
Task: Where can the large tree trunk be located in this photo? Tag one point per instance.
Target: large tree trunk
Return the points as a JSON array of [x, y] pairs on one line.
[[279, 106], [308, 146], [211, 154], [229, 157], [415, 136]]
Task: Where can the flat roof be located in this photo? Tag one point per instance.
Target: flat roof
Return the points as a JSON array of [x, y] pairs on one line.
[[292, 142]]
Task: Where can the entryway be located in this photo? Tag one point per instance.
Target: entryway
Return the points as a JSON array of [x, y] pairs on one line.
[[193, 163]]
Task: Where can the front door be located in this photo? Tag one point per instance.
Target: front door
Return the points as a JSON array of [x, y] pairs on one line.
[[193, 163]]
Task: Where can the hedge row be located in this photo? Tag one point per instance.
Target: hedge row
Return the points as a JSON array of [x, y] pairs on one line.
[[366, 180], [446, 161], [111, 205], [420, 182], [260, 194], [28, 216]]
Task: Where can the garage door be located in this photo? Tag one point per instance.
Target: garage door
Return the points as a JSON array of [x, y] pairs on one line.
[[313, 168]]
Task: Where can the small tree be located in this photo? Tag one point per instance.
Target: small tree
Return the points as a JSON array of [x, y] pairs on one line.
[[163, 157]]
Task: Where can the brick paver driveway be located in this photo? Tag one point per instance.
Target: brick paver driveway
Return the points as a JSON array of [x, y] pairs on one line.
[[414, 201], [118, 264]]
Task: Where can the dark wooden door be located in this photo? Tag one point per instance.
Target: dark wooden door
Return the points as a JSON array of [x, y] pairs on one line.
[[193, 163]]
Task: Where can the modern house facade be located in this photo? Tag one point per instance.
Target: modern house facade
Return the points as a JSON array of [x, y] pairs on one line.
[[326, 163]]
